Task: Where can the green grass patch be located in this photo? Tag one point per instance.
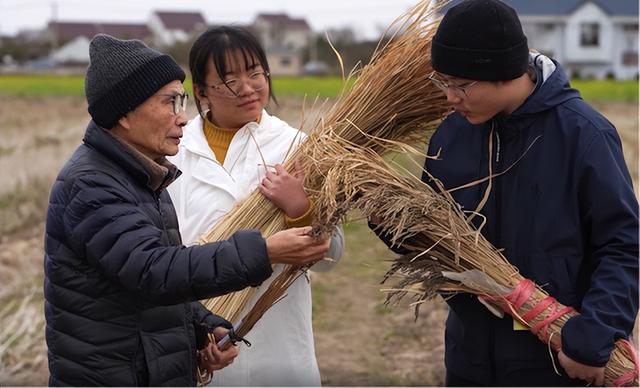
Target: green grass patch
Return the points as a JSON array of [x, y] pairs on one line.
[[41, 85], [593, 90], [308, 86], [51, 85]]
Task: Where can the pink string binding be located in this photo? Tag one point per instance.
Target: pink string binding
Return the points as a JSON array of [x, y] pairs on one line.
[[523, 291], [628, 378]]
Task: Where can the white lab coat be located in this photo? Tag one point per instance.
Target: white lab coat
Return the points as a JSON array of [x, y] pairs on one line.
[[282, 351]]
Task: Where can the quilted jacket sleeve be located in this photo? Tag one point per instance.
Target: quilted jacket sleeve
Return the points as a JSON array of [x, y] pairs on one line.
[[105, 224], [205, 322]]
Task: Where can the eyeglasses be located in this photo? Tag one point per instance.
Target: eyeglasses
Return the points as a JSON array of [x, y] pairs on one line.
[[179, 102], [232, 87], [462, 91]]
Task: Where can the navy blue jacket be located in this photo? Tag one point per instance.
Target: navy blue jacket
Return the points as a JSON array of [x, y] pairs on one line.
[[565, 215], [120, 289]]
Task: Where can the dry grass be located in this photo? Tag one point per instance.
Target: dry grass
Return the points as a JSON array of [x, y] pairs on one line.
[[23, 358], [437, 233], [392, 100]]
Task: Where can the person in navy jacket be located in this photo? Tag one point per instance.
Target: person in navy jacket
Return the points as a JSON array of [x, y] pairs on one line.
[[563, 207]]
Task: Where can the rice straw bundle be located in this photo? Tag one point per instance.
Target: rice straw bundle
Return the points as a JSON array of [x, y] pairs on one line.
[[272, 295], [391, 99], [447, 253]]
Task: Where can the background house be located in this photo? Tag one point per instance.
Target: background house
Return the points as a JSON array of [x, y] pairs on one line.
[[70, 40], [63, 32], [283, 38], [174, 27], [73, 53], [590, 38], [66, 44]]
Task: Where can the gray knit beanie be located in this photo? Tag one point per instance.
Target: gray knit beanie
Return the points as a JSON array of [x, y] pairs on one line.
[[122, 74]]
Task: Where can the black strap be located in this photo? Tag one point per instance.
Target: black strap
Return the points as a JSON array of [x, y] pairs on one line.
[[235, 338]]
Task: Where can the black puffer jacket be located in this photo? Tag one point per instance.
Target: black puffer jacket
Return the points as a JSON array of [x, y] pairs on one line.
[[119, 286]]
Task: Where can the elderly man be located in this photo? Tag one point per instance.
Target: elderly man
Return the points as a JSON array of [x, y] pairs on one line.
[[121, 290]]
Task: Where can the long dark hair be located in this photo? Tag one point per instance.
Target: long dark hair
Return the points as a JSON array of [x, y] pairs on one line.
[[215, 43]]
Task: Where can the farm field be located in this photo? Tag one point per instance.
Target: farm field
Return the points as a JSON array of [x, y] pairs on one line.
[[359, 341]]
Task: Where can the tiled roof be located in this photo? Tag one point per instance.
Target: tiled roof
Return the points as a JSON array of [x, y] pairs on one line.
[[71, 30], [284, 20], [565, 7], [186, 21]]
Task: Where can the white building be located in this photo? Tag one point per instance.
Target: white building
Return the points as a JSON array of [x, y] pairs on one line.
[[283, 39], [172, 27], [74, 52], [590, 38], [72, 38]]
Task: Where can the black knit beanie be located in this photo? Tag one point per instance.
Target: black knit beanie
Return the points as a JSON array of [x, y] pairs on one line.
[[122, 74], [480, 40]]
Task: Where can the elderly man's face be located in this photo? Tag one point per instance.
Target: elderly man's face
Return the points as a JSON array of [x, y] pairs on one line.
[[153, 128]]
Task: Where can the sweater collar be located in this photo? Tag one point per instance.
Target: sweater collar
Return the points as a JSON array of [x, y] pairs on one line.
[[195, 141]]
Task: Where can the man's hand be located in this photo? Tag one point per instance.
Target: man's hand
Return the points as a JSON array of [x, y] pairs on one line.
[[211, 358], [591, 374], [295, 246]]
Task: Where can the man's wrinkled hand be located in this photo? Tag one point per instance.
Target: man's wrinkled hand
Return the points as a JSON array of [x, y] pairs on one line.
[[295, 246], [211, 358]]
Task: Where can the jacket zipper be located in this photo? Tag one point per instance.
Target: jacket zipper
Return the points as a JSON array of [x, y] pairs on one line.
[[156, 197], [497, 163]]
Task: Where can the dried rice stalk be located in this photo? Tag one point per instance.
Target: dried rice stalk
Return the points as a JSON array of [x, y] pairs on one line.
[[391, 99], [448, 254]]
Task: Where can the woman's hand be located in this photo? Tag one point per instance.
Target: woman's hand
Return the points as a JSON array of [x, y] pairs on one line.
[[286, 190], [211, 358]]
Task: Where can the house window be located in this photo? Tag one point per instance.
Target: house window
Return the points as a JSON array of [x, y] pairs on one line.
[[285, 61], [630, 58], [547, 27], [590, 35]]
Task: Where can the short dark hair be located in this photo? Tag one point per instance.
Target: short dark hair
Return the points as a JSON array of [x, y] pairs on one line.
[[215, 43]]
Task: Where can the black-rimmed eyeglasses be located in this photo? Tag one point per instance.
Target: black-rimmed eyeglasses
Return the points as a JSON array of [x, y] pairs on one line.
[[178, 102], [462, 91]]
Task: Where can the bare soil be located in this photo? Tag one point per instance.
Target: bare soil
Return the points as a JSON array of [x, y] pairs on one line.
[[359, 341]]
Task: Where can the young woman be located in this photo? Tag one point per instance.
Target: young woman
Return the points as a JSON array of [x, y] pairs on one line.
[[232, 147]]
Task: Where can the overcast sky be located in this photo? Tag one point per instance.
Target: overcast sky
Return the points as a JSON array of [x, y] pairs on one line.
[[366, 17]]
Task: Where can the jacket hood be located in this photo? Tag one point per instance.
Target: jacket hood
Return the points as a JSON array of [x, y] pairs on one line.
[[552, 87]]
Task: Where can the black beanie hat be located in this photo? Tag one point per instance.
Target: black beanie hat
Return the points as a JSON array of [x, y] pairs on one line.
[[480, 40], [122, 74]]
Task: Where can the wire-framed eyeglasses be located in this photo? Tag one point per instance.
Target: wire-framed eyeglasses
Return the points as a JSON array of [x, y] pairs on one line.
[[232, 87], [178, 102], [461, 91]]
